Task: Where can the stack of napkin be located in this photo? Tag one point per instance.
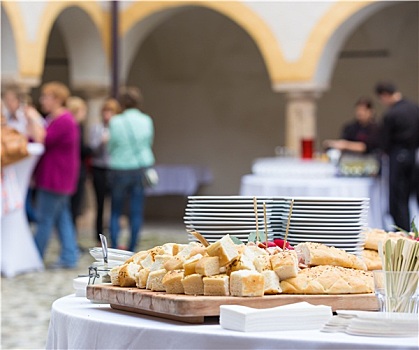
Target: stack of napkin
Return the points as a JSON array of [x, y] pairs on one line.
[[296, 316]]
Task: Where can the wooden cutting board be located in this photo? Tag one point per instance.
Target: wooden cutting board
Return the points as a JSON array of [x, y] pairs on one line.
[[193, 309]]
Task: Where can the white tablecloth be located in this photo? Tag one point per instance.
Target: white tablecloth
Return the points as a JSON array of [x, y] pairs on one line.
[[76, 323], [183, 180], [313, 178], [18, 251]]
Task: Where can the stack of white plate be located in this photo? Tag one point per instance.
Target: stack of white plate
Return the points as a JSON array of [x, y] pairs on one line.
[[216, 216], [337, 222]]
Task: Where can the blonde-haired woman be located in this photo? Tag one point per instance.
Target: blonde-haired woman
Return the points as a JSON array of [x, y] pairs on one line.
[[78, 108], [98, 142], [56, 175]]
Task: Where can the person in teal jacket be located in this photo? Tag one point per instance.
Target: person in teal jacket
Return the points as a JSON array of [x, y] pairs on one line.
[[131, 135]]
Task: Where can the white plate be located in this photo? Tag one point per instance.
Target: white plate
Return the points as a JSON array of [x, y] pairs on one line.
[[223, 214], [210, 219], [315, 219], [225, 232], [113, 254], [312, 206], [227, 210], [327, 240], [249, 206]]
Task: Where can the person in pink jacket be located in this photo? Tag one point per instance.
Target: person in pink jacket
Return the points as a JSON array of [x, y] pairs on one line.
[[56, 175]]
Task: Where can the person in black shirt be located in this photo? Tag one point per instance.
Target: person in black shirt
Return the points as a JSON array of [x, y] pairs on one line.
[[361, 135], [400, 141]]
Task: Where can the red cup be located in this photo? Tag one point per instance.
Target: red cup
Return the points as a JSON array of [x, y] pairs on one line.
[[307, 148]]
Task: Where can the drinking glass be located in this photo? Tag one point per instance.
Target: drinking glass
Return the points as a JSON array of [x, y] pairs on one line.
[[397, 291]]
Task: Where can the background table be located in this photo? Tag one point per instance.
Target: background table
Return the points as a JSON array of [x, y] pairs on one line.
[[18, 251], [76, 323], [296, 177]]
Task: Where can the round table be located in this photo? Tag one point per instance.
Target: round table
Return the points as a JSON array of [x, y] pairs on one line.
[[77, 323]]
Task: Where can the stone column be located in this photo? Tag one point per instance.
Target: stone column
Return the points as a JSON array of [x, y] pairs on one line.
[[300, 119]]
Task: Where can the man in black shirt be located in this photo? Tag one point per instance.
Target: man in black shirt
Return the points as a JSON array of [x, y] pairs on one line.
[[400, 141]]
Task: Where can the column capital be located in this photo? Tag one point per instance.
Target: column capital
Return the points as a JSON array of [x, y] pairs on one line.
[[92, 91], [23, 85]]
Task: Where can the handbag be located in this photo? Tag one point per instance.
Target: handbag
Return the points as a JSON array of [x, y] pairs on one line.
[[149, 175], [14, 146]]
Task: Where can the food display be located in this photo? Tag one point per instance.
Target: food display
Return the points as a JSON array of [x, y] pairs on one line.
[[224, 268]]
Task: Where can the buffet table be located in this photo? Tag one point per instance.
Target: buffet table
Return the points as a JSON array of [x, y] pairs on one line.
[[295, 177], [18, 251], [76, 323]]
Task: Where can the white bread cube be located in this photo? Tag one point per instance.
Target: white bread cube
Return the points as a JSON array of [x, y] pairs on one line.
[[225, 249], [155, 280], [114, 275], [285, 264], [262, 263], [128, 274], [174, 263], [247, 283], [252, 251], [159, 261], [216, 285], [188, 249], [142, 277], [148, 261], [193, 284], [137, 257], [242, 262], [172, 281], [189, 265], [272, 285], [168, 248], [208, 266]]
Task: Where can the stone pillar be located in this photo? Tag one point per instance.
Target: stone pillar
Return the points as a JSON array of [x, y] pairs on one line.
[[300, 119]]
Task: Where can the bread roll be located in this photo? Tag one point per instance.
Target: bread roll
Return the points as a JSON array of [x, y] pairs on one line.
[[372, 259], [376, 236], [328, 279], [225, 249], [313, 254], [172, 281], [217, 285], [208, 266], [247, 283], [127, 275], [193, 284], [285, 264]]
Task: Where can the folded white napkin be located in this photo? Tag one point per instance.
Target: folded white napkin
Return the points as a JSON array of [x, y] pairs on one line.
[[296, 316]]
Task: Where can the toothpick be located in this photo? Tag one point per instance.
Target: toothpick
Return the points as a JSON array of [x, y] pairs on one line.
[[266, 226], [255, 207], [288, 224]]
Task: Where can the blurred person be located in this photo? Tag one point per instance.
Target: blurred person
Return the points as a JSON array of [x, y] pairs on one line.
[[400, 141], [130, 148], [98, 142], [361, 135], [78, 108], [56, 175], [23, 117]]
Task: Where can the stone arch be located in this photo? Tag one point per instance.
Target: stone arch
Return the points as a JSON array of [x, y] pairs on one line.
[[319, 56], [31, 43], [139, 19], [8, 44]]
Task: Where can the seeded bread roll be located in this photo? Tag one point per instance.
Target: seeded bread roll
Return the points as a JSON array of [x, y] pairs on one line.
[[375, 237], [262, 263], [174, 263], [285, 264], [208, 266], [328, 279], [128, 274], [225, 249], [216, 285], [313, 254], [247, 283], [172, 281], [372, 259], [193, 284]]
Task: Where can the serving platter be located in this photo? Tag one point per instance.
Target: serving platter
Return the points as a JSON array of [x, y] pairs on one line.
[[194, 309]]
